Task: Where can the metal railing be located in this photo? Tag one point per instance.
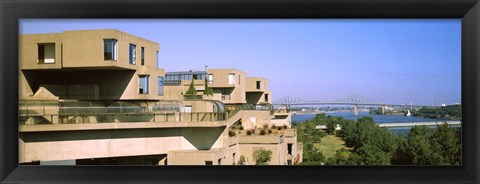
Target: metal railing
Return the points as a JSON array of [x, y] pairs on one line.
[[120, 117]]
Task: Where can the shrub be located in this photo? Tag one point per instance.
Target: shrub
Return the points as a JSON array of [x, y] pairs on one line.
[[242, 160], [263, 132], [191, 89], [231, 133], [208, 90], [249, 132], [285, 126], [274, 127], [265, 126], [262, 156], [279, 128], [270, 131], [241, 127]]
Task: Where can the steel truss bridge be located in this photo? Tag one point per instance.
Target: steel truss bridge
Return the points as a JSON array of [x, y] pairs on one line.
[[354, 100]]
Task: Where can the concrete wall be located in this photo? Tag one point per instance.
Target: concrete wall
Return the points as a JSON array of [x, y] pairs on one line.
[[81, 50], [176, 92], [255, 119], [278, 152], [220, 82], [195, 157], [84, 48], [28, 50], [282, 119], [252, 84], [67, 145]]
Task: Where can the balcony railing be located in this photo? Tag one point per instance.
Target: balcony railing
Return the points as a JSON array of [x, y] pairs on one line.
[[121, 117]]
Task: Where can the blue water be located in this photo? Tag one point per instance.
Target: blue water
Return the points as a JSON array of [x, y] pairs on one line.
[[377, 118]]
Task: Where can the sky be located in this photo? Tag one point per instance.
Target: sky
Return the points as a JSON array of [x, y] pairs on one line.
[[389, 60]]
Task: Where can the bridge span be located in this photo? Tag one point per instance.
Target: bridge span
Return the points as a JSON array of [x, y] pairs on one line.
[[354, 100], [411, 124]]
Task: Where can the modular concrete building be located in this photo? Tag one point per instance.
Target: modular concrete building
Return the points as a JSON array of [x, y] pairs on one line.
[[99, 97]]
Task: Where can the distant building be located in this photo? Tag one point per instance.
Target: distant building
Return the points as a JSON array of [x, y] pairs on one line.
[[98, 97]]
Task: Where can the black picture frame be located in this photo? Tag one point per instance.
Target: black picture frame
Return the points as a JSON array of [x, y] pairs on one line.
[[12, 11]]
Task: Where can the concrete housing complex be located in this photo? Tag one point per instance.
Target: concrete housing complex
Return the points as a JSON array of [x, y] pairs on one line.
[[99, 97]]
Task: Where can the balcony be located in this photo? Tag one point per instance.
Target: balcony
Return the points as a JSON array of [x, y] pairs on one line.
[[260, 139], [95, 112]]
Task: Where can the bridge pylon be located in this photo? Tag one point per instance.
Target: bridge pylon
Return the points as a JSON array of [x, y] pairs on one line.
[[383, 109], [355, 109]]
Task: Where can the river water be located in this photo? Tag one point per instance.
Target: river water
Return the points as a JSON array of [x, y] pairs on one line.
[[377, 118]]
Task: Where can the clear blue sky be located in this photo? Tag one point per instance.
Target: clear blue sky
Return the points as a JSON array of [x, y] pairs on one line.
[[394, 61]]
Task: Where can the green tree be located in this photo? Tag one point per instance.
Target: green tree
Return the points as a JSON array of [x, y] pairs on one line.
[[208, 90], [419, 148], [369, 155], [447, 145], [191, 90], [242, 160], [262, 156], [341, 157]]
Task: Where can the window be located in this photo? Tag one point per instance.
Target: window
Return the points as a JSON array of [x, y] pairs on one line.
[[110, 49], [142, 55], [258, 84], [210, 78], [208, 162], [143, 84], [289, 149], [46, 53], [225, 94], [231, 79], [158, 65], [132, 53], [195, 77], [233, 155], [160, 86], [266, 97]]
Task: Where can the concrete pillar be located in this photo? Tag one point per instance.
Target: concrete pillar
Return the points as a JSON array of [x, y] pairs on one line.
[[383, 109], [355, 110]]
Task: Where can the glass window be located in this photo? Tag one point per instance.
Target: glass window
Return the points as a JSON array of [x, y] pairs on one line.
[[132, 53], [143, 84], [258, 84], [110, 49], [231, 79], [142, 57], [160, 86], [46, 53], [210, 78]]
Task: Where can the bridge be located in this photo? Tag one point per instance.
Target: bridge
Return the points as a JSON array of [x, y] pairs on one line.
[[354, 100]]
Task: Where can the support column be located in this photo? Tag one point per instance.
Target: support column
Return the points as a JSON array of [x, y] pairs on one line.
[[383, 109], [355, 110]]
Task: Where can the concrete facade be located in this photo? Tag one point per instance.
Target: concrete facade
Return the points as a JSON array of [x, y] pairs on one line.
[[79, 63], [84, 99]]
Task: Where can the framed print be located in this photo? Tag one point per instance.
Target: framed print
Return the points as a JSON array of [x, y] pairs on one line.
[[253, 91]]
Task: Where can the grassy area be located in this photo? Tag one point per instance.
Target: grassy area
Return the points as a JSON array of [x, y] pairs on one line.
[[330, 145]]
